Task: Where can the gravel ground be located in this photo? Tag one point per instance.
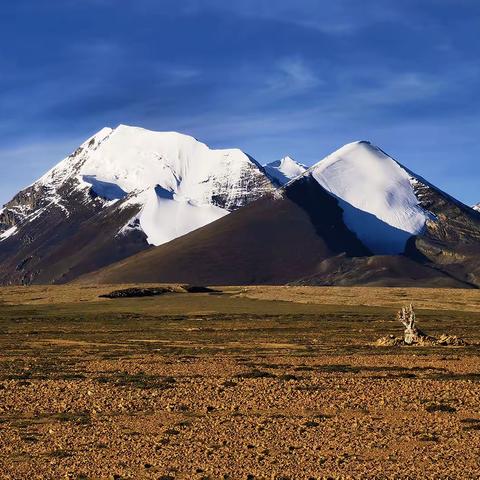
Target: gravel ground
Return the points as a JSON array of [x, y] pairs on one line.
[[274, 417], [225, 387]]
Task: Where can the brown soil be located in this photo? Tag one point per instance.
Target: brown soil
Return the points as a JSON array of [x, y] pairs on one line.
[[222, 386]]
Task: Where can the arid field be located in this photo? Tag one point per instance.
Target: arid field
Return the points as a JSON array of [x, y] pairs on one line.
[[244, 383]]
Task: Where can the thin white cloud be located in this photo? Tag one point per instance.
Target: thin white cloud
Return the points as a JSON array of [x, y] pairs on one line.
[[339, 17], [175, 74], [292, 76], [392, 88]]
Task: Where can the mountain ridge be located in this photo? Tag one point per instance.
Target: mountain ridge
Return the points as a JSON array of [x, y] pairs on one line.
[[184, 212], [437, 238]]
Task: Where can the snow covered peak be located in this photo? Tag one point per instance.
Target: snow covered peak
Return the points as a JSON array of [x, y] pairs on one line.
[[100, 136], [178, 183], [136, 159], [285, 169], [376, 194], [476, 207]]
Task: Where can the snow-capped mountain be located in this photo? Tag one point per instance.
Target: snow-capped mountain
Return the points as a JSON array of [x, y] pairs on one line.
[[284, 170], [356, 217], [179, 183], [126, 183], [376, 194], [476, 207]]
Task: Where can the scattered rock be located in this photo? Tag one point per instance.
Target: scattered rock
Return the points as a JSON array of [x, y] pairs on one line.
[[451, 340], [390, 341], [256, 374]]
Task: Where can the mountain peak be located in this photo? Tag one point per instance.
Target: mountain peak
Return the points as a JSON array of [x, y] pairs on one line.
[[285, 161], [358, 150], [167, 182], [136, 130], [376, 194], [285, 169], [98, 137]]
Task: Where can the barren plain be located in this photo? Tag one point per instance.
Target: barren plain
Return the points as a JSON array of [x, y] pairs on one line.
[[246, 383]]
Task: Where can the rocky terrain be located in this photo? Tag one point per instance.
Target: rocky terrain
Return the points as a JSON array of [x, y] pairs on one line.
[[226, 386]]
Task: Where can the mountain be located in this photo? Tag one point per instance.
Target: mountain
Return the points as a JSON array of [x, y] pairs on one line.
[[284, 170], [476, 207], [120, 192], [358, 217], [376, 194]]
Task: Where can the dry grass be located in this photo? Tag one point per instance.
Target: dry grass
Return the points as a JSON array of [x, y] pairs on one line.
[[423, 298]]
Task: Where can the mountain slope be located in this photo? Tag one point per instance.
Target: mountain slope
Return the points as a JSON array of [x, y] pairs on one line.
[[356, 217], [275, 239], [451, 241], [122, 190]]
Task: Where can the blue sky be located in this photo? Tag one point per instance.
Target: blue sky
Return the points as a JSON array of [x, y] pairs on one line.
[[273, 77]]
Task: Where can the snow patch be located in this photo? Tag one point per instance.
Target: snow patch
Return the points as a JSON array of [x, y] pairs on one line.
[[176, 217], [8, 233], [107, 190], [132, 225]]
